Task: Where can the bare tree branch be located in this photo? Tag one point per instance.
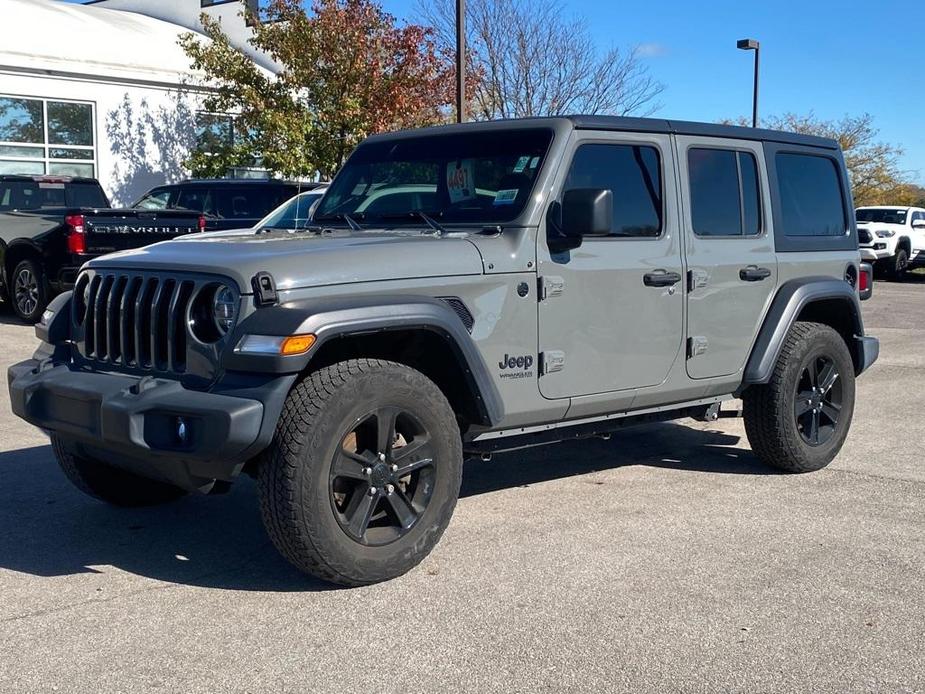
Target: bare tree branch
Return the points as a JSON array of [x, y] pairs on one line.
[[535, 62]]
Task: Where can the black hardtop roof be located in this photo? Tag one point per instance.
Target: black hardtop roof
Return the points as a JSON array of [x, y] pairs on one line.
[[628, 124]]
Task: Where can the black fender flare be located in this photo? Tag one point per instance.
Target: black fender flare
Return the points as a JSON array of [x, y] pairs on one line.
[[791, 299], [328, 319]]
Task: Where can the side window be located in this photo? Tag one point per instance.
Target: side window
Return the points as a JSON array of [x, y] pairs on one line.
[[633, 174], [810, 196], [196, 199], [155, 200], [724, 192]]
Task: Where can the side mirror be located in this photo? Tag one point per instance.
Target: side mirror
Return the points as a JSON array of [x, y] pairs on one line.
[[587, 212], [918, 224]]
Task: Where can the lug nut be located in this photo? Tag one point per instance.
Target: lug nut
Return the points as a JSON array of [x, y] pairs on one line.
[[372, 491], [389, 489], [393, 467], [382, 457], [367, 471]]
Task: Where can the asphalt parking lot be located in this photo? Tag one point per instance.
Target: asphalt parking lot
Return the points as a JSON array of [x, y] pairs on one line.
[[665, 559]]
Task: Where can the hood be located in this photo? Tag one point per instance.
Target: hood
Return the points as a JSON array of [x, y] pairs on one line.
[[303, 259]]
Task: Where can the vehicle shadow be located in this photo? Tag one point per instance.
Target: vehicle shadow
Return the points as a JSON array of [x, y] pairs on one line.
[[48, 528], [664, 445], [7, 317]]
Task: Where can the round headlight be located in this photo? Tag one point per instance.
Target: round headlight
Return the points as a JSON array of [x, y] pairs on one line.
[[224, 308]]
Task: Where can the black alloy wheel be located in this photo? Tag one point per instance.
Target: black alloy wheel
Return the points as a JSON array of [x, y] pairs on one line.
[[818, 401], [382, 478]]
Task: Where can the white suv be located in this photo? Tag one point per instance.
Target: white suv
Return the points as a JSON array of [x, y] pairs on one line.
[[892, 237]]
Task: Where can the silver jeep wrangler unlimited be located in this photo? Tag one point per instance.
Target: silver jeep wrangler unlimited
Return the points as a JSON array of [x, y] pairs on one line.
[[462, 290]]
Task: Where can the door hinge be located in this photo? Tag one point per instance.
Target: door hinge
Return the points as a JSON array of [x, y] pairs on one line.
[[551, 361], [696, 346], [697, 279], [550, 286]]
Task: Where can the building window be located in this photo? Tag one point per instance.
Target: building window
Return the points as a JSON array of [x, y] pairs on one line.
[[217, 132], [42, 136]]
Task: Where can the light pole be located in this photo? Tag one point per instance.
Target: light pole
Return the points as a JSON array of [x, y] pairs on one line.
[[460, 61], [753, 45]]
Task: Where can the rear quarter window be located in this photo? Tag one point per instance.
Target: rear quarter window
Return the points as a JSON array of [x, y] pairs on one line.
[[811, 197]]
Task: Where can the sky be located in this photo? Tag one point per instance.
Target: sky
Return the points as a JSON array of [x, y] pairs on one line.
[[829, 57]]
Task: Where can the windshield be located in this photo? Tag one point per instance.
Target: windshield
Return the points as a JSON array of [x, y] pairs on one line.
[[881, 216], [477, 177], [293, 214]]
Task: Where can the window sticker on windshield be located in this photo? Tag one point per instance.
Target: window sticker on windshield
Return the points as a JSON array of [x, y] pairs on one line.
[[459, 180], [534, 162], [506, 197], [521, 164]]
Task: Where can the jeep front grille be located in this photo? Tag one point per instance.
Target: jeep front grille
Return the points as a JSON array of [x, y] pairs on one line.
[[135, 321]]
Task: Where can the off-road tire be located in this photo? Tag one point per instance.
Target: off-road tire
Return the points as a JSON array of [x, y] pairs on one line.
[[28, 270], [769, 410], [111, 484], [294, 476], [898, 265]]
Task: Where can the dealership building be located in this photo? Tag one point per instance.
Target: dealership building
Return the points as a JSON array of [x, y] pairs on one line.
[[103, 89]]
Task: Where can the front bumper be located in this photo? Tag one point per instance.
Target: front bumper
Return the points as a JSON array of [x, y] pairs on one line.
[[870, 255], [151, 426]]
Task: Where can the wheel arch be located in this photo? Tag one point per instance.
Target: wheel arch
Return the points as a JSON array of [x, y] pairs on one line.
[[15, 252], [416, 331], [816, 299]]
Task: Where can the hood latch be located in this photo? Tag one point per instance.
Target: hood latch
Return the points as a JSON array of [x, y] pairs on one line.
[[265, 293]]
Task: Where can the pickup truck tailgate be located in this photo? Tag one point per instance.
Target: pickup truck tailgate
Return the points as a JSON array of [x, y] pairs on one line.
[[117, 230]]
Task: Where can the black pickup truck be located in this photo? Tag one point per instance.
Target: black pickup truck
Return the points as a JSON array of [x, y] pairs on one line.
[[51, 225]]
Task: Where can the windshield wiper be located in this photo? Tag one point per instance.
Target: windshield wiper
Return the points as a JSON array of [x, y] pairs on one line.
[[436, 226], [342, 216]]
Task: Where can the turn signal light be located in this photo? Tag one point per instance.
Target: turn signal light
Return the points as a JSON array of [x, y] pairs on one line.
[[863, 281], [296, 344]]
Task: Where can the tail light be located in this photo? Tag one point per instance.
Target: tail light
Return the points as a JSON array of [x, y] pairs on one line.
[[76, 233], [202, 222], [866, 281]]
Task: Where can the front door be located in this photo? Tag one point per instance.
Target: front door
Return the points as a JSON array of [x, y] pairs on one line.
[[732, 268], [610, 311]]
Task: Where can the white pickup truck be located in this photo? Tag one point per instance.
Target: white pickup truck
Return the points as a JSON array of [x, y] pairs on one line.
[[892, 238]]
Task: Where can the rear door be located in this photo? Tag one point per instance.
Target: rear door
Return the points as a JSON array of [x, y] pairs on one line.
[[732, 268], [602, 326]]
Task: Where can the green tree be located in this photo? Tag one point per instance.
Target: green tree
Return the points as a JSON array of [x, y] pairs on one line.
[[873, 166], [348, 70]]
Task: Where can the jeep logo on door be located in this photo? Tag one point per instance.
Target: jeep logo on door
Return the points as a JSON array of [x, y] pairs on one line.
[[516, 367]]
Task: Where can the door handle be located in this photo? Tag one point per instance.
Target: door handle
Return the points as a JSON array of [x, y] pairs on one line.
[[660, 278], [753, 273]]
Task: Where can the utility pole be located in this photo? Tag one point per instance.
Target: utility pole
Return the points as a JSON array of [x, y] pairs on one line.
[[460, 61], [753, 45]]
